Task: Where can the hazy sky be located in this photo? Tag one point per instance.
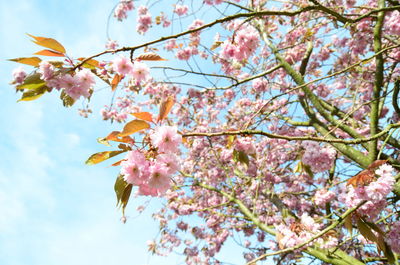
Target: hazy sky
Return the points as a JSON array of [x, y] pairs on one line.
[[53, 208]]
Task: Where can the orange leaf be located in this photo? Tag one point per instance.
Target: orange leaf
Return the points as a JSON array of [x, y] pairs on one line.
[[361, 179], [49, 53], [376, 164], [48, 43], [133, 126], [151, 56], [113, 136], [117, 163], [146, 116], [114, 83], [34, 61], [165, 108]]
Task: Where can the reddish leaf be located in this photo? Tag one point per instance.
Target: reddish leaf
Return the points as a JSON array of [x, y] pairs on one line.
[[146, 116], [100, 157], [376, 164], [49, 53], [48, 43], [151, 56], [114, 83], [165, 108], [117, 163], [34, 61], [361, 179], [133, 126]]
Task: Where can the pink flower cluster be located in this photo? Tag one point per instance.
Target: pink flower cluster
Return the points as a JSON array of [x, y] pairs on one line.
[[393, 23], [317, 157], [374, 193], [144, 20], [152, 175], [181, 10], [245, 144], [259, 85], [75, 86], [122, 8], [307, 228], [244, 42], [111, 44], [323, 196], [19, 75], [138, 70], [393, 237]]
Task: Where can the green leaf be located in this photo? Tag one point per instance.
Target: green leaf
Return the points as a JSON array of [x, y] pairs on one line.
[[66, 99], [240, 156], [308, 170], [123, 191], [100, 157], [33, 94], [34, 61], [32, 81]]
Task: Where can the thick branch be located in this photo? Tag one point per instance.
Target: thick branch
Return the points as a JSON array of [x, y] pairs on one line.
[[374, 118]]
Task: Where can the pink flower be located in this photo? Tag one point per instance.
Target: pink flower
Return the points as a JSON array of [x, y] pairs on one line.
[[184, 54], [181, 10], [393, 237], [159, 178], [166, 139], [86, 81], [169, 161], [123, 7], [246, 145], [323, 196], [46, 70], [71, 85], [134, 168], [111, 45], [19, 75], [140, 71], [122, 65]]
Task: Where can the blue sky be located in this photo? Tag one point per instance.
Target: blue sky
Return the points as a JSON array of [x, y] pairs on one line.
[[54, 209]]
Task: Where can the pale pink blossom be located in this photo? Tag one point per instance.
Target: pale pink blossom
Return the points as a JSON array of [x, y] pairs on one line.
[[86, 80], [122, 8], [19, 75], [166, 139], [169, 161], [46, 70], [122, 65], [140, 71], [111, 44], [134, 168], [181, 10]]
